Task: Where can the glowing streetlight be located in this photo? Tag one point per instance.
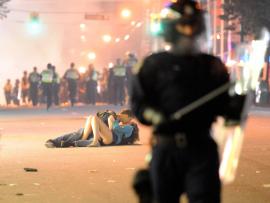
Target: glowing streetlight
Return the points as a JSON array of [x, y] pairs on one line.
[[82, 26], [139, 24], [167, 47], [83, 38], [126, 13], [110, 65], [133, 23], [92, 56], [117, 40], [34, 26], [107, 38], [126, 37], [82, 70]]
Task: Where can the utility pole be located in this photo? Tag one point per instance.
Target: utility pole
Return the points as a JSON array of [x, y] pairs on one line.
[[215, 27], [222, 38]]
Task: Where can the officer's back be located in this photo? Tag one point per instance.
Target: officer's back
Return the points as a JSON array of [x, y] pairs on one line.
[[172, 82]]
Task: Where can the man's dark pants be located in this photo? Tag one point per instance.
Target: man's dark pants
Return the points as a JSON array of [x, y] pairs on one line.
[[192, 169], [55, 89], [47, 92], [8, 97], [34, 93], [72, 86], [120, 90], [72, 140], [91, 92]]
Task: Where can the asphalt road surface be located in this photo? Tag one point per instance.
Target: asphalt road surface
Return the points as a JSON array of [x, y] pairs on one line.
[[103, 175]]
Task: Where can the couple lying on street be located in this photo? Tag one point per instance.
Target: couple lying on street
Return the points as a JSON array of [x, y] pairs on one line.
[[103, 129]]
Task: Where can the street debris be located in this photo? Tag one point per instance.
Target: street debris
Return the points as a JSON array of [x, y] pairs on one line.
[[30, 169], [266, 185], [36, 184], [258, 172], [12, 184], [19, 194], [132, 169], [3, 184], [111, 181], [92, 171]]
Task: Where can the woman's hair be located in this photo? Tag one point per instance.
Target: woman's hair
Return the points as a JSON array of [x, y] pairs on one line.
[[134, 136], [127, 112]]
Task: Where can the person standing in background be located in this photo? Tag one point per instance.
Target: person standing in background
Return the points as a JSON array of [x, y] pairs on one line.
[[25, 87], [119, 75], [91, 85], [72, 76], [47, 80], [104, 96], [8, 91], [34, 80], [15, 93], [55, 86], [130, 62]]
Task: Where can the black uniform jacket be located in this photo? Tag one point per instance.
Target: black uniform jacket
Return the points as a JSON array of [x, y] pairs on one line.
[[166, 83]]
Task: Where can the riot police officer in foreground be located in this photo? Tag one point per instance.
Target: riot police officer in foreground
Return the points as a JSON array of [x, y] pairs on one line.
[[166, 90]]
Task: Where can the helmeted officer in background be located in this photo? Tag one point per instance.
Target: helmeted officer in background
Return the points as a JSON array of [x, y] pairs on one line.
[[25, 87], [8, 91], [91, 85], [130, 62], [184, 155], [119, 76], [55, 86], [72, 76], [47, 81], [34, 80]]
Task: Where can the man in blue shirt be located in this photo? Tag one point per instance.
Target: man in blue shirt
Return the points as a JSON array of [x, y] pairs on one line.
[[102, 129]]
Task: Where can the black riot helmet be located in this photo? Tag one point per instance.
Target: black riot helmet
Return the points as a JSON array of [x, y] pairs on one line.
[[183, 18]]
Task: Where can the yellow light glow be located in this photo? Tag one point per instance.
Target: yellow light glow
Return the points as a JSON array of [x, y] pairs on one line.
[[92, 55], [107, 38], [82, 26], [230, 63], [139, 24], [82, 70], [126, 13], [117, 40], [110, 65], [126, 37], [83, 38], [167, 47]]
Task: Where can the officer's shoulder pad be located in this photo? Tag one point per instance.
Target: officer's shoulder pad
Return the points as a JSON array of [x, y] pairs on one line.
[[150, 60], [137, 67]]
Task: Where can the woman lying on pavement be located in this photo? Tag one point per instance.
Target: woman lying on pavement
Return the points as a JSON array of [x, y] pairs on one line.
[[105, 128]]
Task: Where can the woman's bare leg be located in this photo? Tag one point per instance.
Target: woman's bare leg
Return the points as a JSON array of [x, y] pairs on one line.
[[87, 128], [101, 130]]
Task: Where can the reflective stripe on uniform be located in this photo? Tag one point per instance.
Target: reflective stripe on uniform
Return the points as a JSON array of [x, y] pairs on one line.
[[72, 74], [119, 71], [47, 76], [34, 77]]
